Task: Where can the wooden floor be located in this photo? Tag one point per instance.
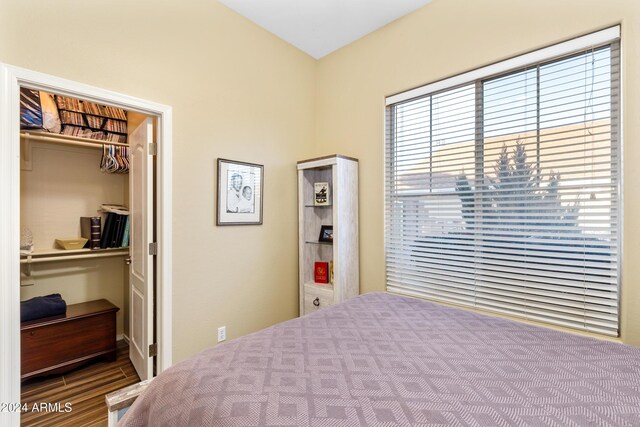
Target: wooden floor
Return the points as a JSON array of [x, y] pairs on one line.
[[84, 388]]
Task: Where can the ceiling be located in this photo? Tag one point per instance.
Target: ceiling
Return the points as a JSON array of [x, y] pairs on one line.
[[318, 27]]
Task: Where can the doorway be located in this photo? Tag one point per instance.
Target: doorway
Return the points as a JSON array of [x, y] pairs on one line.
[[11, 80]]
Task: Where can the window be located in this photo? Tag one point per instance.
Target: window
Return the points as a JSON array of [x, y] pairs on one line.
[[502, 192]]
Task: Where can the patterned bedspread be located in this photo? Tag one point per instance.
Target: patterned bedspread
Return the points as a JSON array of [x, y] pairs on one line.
[[386, 360]]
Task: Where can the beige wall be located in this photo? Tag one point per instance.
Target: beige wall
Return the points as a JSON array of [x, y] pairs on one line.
[[237, 92], [445, 38]]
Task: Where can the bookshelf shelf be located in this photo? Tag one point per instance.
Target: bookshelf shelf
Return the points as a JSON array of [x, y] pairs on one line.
[[341, 175], [320, 286], [53, 255]]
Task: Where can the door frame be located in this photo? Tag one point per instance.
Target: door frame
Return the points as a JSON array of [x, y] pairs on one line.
[[11, 80]]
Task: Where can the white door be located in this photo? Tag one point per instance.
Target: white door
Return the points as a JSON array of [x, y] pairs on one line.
[[141, 232]]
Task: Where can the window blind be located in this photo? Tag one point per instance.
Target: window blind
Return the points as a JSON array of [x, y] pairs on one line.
[[502, 193]]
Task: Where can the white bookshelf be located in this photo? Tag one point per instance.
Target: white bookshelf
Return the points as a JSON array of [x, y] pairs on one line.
[[342, 213]]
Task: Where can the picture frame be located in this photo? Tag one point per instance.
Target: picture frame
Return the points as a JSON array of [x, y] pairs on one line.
[[326, 234], [239, 195], [321, 194]]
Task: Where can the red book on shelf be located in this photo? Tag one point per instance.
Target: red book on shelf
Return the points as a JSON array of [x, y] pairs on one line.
[[321, 272]]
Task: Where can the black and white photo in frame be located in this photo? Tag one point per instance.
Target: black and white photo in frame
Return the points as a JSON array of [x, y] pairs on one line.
[[240, 187]]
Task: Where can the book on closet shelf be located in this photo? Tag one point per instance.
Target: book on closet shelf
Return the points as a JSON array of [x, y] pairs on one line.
[[116, 238], [107, 231], [90, 229], [121, 230], [125, 238]]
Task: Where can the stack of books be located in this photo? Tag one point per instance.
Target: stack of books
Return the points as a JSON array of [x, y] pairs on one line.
[[323, 272], [89, 120], [114, 234]]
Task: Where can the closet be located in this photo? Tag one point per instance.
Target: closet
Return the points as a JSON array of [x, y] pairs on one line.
[[84, 160]]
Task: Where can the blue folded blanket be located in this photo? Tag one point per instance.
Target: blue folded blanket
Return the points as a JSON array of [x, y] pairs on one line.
[[40, 307]]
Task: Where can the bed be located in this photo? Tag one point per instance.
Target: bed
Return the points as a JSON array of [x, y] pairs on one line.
[[383, 360]]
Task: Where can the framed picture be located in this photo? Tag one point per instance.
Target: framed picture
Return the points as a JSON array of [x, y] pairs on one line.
[[326, 233], [240, 188], [321, 194]]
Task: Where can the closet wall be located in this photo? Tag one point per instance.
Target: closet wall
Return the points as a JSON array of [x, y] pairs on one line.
[[65, 183]]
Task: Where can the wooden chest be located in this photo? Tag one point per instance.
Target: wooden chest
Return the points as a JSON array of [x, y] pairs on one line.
[[57, 344]]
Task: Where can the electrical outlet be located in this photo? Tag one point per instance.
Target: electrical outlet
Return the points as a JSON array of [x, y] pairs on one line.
[[222, 333]]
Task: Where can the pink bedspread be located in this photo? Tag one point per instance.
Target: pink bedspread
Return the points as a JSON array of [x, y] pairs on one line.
[[386, 360]]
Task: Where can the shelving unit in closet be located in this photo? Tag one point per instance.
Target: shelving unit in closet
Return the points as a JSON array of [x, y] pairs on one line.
[[328, 231], [65, 202]]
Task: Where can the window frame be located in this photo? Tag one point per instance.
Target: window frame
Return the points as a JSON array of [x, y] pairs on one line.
[[478, 77]]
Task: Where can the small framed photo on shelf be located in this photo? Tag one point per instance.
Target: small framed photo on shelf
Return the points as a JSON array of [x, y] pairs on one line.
[[240, 187], [321, 194], [326, 234]]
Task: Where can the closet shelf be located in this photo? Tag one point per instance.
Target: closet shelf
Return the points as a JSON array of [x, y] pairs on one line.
[[57, 138], [51, 255]]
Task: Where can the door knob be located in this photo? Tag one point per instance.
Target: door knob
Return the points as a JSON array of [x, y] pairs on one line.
[[316, 302]]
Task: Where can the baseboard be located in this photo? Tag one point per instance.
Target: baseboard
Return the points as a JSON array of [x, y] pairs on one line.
[[124, 337]]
